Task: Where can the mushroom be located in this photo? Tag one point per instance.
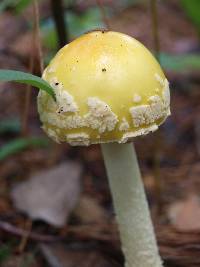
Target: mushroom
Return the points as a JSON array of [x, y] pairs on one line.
[[110, 89]]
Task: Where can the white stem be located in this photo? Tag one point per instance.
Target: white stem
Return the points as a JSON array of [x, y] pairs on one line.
[[135, 226]]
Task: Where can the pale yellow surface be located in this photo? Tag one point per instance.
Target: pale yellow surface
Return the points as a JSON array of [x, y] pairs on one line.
[[118, 71]]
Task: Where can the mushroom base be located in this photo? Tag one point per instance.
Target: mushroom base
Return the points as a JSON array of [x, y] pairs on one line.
[[136, 231]]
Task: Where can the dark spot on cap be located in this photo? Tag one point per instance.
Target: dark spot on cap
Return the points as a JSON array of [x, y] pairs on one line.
[[97, 30], [77, 61], [60, 110], [104, 69]]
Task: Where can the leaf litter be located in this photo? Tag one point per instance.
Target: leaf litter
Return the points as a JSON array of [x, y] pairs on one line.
[[179, 157]]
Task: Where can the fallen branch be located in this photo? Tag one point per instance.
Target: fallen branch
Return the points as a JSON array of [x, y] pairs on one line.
[[9, 228]]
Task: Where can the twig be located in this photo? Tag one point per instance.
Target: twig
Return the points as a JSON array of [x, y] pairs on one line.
[[9, 228], [36, 46], [101, 232], [157, 147], [24, 239], [59, 18], [103, 14], [154, 19], [37, 35]]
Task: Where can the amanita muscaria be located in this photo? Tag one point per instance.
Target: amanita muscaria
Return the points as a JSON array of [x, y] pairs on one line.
[[109, 89]]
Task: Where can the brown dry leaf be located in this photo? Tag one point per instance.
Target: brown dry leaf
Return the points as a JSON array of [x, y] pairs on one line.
[[89, 211], [185, 215], [51, 194], [149, 182]]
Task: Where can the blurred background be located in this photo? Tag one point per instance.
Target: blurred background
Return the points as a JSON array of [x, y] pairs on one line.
[[55, 204]]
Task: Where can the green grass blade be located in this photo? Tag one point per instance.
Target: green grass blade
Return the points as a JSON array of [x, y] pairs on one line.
[[27, 78], [20, 144], [192, 9]]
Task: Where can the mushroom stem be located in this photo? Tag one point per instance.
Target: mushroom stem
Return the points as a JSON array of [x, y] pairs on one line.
[[135, 225]]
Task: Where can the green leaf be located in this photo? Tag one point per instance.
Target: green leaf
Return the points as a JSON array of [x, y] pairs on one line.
[[81, 23], [76, 24], [178, 63], [17, 5], [10, 126], [27, 78], [192, 9], [20, 144], [21, 5], [49, 35]]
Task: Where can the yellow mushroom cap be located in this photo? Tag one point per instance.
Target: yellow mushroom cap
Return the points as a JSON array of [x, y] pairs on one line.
[[109, 88]]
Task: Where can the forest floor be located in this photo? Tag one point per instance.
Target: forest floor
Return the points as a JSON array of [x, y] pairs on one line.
[[173, 189]]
